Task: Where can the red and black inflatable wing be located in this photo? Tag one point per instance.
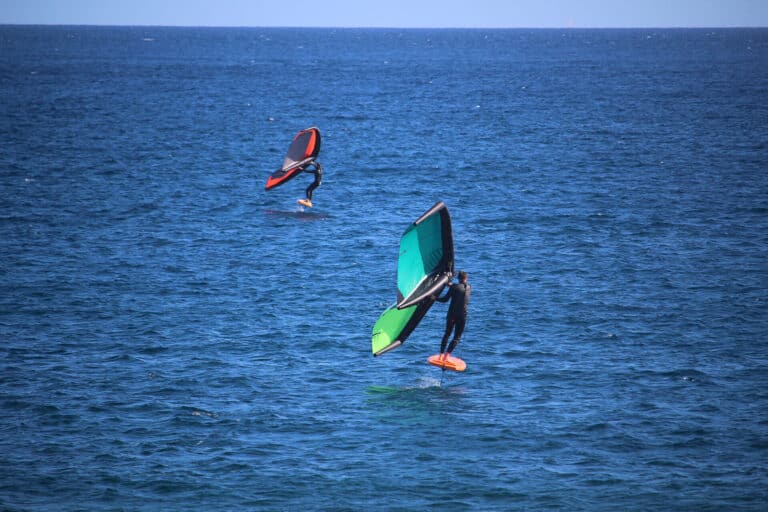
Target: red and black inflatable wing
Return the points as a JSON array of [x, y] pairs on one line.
[[303, 150]]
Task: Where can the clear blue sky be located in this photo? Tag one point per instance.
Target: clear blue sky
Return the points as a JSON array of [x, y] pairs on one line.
[[391, 13]]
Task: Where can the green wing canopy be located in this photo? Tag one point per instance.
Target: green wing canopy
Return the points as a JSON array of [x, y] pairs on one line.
[[424, 267]]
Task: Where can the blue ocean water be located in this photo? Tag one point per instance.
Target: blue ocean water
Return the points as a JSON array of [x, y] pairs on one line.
[[173, 337]]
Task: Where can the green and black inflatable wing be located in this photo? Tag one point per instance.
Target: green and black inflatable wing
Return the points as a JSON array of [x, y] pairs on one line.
[[424, 267]]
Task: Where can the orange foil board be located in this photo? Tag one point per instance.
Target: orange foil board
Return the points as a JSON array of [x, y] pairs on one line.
[[449, 363]]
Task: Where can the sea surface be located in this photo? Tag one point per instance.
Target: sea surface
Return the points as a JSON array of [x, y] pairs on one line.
[[174, 337]]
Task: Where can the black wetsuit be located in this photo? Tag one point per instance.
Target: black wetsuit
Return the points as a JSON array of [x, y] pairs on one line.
[[318, 172], [456, 319]]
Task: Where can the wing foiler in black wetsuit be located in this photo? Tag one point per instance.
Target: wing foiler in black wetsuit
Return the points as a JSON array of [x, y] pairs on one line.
[[318, 172], [456, 319]]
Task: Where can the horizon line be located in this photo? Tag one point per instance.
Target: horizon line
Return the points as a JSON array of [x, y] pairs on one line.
[[383, 27]]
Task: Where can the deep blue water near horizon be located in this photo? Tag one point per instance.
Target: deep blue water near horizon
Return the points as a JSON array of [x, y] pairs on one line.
[[173, 337]]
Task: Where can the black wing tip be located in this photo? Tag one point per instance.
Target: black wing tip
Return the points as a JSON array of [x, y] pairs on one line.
[[439, 205], [389, 347]]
